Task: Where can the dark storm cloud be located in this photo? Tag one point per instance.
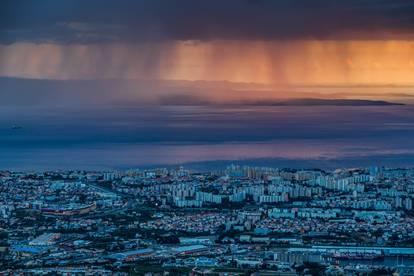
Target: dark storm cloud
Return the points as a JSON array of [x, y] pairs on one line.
[[137, 20]]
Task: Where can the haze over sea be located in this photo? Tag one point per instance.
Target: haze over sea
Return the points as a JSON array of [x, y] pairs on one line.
[[203, 137]]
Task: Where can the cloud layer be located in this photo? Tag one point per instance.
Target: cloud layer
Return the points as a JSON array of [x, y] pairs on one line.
[[142, 20], [266, 62]]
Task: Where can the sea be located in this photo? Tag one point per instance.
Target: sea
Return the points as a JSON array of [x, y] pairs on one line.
[[204, 137]]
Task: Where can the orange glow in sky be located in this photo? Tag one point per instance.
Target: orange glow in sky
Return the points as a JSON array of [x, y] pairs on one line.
[[266, 62]]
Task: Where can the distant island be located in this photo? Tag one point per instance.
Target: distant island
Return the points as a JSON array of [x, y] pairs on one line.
[[335, 102], [189, 100]]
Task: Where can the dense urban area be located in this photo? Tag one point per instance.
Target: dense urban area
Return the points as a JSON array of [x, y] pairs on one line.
[[237, 221]]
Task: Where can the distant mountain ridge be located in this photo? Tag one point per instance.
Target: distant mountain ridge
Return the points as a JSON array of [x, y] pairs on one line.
[[190, 100], [34, 92], [335, 102]]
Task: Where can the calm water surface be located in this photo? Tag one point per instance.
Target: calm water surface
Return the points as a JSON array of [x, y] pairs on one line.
[[123, 137]]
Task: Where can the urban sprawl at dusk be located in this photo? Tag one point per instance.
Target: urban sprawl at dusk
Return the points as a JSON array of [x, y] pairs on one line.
[[238, 220], [206, 137]]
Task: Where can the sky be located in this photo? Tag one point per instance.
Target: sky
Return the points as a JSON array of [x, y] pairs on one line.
[[95, 58], [285, 42]]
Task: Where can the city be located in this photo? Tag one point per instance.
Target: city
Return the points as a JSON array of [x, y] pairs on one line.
[[207, 138], [237, 221]]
